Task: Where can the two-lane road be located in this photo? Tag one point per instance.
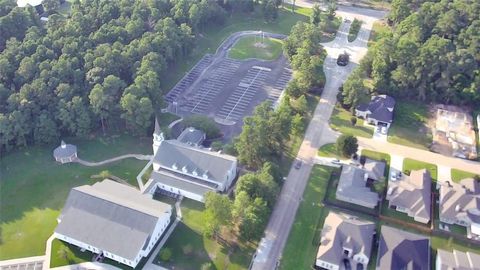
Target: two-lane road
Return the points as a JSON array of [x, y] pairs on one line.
[[317, 134]]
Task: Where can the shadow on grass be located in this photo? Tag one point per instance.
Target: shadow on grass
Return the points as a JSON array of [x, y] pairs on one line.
[[182, 237]]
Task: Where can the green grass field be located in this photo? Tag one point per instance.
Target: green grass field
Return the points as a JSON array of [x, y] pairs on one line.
[[412, 164], [66, 254], [354, 29], [256, 47], [340, 121], [328, 150], [409, 125], [458, 175], [304, 238], [34, 187], [189, 232]]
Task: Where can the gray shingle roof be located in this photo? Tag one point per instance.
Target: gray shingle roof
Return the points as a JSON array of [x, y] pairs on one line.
[[342, 230], [380, 107], [111, 216], [352, 184], [64, 150], [191, 136], [412, 192], [403, 250], [458, 260], [460, 201], [375, 169], [200, 161], [182, 183]]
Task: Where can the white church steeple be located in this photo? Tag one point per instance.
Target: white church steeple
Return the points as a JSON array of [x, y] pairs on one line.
[[157, 137]]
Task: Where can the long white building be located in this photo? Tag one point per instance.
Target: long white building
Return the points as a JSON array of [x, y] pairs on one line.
[[113, 220]]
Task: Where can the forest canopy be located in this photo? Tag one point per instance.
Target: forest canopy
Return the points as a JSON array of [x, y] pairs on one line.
[[98, 67], [432, 53]]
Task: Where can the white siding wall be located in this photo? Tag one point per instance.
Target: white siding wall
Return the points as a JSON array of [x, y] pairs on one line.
[[184, 193], [93, 249], [326, 265]]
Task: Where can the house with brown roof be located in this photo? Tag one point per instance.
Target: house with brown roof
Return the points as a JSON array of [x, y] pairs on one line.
[[345, 240], [411, 194], [460, 204]]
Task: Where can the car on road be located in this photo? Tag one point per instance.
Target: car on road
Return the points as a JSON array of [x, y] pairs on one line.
[[346, 20], [298, 164], [343, 59], [336, 161]]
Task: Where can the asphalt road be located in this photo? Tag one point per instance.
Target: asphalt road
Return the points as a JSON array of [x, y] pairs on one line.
[[318, 133]]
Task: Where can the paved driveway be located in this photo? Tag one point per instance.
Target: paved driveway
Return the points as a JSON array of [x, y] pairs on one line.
[[317, 134]]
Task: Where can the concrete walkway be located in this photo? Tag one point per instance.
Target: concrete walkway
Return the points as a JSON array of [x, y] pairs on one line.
[[150, 265], [101, 163]]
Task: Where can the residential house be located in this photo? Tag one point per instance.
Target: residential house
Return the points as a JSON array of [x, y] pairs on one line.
[[113, 220], [345, 238], [460, 204], [37, 4], [375, 169], [378, 112], [411, 194], [454, 127], [399, 249], [457, 260], [352, 187], [180, 169]]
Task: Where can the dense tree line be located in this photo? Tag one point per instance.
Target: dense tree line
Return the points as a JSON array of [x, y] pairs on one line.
[[247, 214], [432, 54], [98, 67], [302, 47]]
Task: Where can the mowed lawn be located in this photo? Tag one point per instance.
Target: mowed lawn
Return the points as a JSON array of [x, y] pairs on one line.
[[328, 150], [304, 238], [33, 187], [256, 47], [412, 164], [409, 126], [341, 122], [458, 175], [188, 235]]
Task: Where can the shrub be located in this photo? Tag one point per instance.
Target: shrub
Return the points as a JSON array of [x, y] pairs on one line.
[[165, 254], [203, 123]]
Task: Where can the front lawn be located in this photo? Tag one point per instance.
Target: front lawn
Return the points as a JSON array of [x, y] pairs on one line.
[[341, 121], [304, 238], [256, 47], [412, 164], [458, 175], [191, 249], [410, 125], [34, 187], [328, 150]]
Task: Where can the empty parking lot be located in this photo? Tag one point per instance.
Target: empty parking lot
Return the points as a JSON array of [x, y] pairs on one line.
[[227, 90]]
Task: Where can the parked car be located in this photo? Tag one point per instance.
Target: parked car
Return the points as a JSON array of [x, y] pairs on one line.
[[298, 164], [343, 59], [336, 161], [346, 20]]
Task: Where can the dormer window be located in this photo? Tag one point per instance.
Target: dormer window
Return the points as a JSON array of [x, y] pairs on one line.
[[194, 173], [184, 169], [174, 166], [205, 175]]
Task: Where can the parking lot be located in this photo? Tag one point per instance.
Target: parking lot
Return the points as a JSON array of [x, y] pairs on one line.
[[227, 90]]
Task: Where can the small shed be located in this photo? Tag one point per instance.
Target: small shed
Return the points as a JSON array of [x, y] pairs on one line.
[[65, 153]]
